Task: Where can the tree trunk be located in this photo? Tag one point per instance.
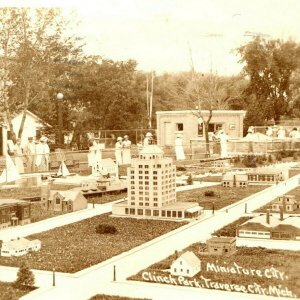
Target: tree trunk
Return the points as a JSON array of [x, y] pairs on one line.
[[207, 150], [22, 123]]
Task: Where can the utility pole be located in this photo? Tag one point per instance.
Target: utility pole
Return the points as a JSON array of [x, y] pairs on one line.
[[149, 95]]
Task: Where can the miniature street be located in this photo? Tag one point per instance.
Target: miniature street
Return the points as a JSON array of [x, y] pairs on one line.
[[144, 255]]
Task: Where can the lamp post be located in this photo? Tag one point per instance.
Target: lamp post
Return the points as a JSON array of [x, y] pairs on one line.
[[60, 97]]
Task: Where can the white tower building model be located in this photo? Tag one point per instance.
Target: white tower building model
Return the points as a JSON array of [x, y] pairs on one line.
[[151, 185]]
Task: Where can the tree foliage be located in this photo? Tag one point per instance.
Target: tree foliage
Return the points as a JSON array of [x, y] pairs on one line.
[[25, 276], [269, 64]]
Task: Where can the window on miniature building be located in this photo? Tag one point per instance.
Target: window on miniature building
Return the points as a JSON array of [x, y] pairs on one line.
[[154, 172], [140, 203], [140, 166], [140, 212], [126, 211], [168, 213], [26, 212], [174, 214], [146, 177], [163, 213], [155, 213], [146, 172], [146, 198], [140, 182], [187, 271], [154, 183], [155, 204], [146, 182], [140, 172], [179, 126], [57, 200], [155, 187], [175, 270], [146, 193], [146, 167], [148, 212], [146, 204], [180, 214], [132, 182], [140, 193], [159, 166], [154, 199], [132, 211]]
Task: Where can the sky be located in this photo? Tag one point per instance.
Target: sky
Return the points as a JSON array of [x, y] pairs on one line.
[[168, 35]]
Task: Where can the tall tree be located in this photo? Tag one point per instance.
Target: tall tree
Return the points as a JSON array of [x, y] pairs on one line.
[[200, 92], [36, 54], [269, 65]]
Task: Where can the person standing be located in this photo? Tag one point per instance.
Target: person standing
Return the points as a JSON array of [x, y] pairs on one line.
[[118, 151], [179, 147], [148, 139], [223, 143], [126, 150], [281, 133], [42, 155], [30, 152], [18, 153]]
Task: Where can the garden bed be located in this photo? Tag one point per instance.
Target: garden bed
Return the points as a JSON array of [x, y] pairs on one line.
[[77, 246], [106, 297], [8, 291], [286, 262], [223, 196]]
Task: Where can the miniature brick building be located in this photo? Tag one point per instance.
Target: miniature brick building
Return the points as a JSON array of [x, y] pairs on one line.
[[65, 201], [234, 180], [151, 184], [265, 175], [221, 245], [14, 212], [286, 202], [19, 247], [187, 264]]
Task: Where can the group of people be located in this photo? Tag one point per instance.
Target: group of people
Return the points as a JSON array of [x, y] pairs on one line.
[[123, 150], [281, 133], [35, 155]]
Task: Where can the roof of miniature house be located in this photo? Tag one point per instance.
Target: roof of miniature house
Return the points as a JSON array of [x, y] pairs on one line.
[[69, 195], [151, 149], [262, 219], [293, 221], [190, 258], [222, 239]]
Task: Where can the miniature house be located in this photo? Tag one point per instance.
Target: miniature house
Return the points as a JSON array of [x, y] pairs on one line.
[[221, 245], [288, 229], [151, 184], [258, 227], [19, 247], [234, 180], [286, 202], [187, 264], [64, 201], [14, 212]]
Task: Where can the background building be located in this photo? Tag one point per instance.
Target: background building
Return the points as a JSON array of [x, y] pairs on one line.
[[170, 123]]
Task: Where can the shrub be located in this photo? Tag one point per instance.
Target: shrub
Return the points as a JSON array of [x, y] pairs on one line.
[[249, 161], [24, 276], [180, 168], [189, 180], [106, 229], [270, 158], [295, 156], [279, 157], [209, 193]]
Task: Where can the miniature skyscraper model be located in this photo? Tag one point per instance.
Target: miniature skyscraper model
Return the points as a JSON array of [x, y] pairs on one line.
[[152, 189]]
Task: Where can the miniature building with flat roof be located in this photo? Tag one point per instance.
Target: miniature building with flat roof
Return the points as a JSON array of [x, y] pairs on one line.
[[14, 212], [234, 180], [19, 247], [265, 175], [151, 186], [187, 264], [221, 245], [286, 202]]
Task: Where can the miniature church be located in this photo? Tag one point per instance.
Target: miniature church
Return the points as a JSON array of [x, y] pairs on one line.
[[151, 184]]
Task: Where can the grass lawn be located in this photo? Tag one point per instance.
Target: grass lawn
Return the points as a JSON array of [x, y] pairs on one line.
[[295, 192], [248, 258], [106, 297], [230, 229], [209, 179], [10, 292], [223, 196], [77, 246]]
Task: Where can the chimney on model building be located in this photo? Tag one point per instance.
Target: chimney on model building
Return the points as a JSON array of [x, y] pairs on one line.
[[281, 213], [268, 216]]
